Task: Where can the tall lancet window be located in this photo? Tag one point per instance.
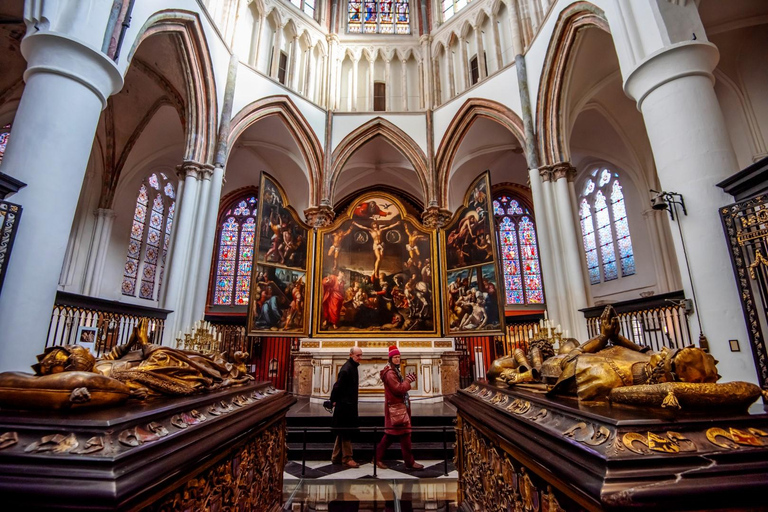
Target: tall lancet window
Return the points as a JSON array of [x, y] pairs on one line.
[[234, 254], [308, 6], [519, 251], [150, 236], [605, 229], [451, 7], [379, 17]]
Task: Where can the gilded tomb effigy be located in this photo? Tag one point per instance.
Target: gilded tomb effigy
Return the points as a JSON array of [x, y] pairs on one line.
[[610, 425]]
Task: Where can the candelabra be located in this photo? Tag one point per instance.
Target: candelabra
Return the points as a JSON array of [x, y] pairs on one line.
[[202, 337], [549, 332]]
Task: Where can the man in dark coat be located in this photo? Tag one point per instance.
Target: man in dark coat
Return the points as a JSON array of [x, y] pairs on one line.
[[344, 398]]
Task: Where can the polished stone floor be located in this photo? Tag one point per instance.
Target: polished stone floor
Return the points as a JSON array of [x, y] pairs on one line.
[[329, 487]]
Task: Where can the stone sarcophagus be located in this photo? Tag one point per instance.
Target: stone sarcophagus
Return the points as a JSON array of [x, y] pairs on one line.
[[223, 450], [518, 450]]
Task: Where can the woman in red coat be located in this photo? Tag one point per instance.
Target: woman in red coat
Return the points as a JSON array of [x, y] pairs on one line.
[[396, 392]]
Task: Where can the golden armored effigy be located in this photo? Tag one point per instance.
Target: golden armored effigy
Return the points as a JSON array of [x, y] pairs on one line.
[[610, 425]]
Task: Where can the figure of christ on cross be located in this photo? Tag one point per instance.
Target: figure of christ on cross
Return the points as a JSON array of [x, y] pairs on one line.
[[378, 246], [338, 237]]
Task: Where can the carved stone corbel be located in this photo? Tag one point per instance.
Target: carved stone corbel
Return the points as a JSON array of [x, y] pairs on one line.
[[435, 217], [319, 216]]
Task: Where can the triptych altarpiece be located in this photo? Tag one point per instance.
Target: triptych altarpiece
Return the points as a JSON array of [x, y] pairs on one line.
[[377, 271]]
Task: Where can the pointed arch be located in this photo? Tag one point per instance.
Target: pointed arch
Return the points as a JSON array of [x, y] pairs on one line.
[[305, 137], [550, 122], [201, 106], [364, 133], [470, 111]]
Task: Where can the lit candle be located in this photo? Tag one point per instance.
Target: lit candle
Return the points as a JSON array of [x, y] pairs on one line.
[[179, 336], [541, 323], [566, 333], [530, 333], [545, 314], [558, 328]]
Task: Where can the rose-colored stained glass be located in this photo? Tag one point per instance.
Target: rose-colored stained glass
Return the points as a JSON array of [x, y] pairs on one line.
[[153, 182]]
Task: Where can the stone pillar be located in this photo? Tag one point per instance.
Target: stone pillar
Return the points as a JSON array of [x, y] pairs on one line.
[[307, 72], [353, 92], [464, 64], [427, 78], [546, 251], [371, 82], [437, 82], [302, 373], [404, 84], [514, 31], [574, 271], [178, 265], [558, 295], [192, 276], [388, 82], [67, 86], [449, 372], [102, 230], [482, 70], [332, 73], [277, 41], [294, 82], [674, 90], [256, 42], [496, 42], [451, 73]]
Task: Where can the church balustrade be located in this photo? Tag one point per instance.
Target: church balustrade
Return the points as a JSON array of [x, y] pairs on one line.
[[657, 321], [99, 324]]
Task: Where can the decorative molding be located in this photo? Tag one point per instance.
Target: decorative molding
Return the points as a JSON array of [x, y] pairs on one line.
[[319, 216]]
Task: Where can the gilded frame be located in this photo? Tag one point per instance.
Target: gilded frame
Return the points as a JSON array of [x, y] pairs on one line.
[[474, 267], [260, 264], [321, 250]]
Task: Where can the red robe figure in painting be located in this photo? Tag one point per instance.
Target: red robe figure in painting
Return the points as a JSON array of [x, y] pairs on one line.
[[396, 392], [333, 298]]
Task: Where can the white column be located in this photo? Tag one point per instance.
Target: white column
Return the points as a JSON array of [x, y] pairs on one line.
[[388, 82], [256, 43], [496, 42], [543, 223], [483, 72], [208, 243], [102, 231], [195, 249], [371, 81], [560, 292], [67, 86], [276, 41], [574, 272], [404, 86], [674, 91], [177, 266], [353, 93], [294, 82], [438, 84], [426, 67], [451, 73], [464, 64], [309, 86], [514, 31]]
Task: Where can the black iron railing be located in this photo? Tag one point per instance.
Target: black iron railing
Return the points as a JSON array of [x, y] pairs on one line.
[[98, 323], [658, 321]]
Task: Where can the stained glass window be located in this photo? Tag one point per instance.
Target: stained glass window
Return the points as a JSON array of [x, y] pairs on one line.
[[234, 256], [5, 133], [451, 7], [379, 17], [603, 202], [519, 251], [149, 239]]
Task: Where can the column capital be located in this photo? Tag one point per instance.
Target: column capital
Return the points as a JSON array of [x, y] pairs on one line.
[[192, 169], [59, 54], [689, 58], [546, 173], [332, 38], [563, 170], [319, 216], [435, 217], [105, 212], [425, 39]]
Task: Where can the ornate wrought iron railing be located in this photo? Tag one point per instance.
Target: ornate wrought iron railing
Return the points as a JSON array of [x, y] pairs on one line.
[[658, 321], [99, 323], [10, 214]]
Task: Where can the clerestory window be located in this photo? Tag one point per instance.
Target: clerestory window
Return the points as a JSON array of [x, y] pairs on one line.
[[379, 17]]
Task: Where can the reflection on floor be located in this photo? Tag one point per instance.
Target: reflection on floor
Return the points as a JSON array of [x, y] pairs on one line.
[[329, 487]]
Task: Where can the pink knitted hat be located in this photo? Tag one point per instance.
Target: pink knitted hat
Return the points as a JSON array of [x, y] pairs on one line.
[[393, 351]]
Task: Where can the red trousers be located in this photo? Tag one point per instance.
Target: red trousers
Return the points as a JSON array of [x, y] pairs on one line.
[[405, 446]]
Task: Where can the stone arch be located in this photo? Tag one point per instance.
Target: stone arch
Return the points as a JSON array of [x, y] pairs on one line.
[[306, 139], [364, 133], [550, 123], [470, 111], [201, 107]]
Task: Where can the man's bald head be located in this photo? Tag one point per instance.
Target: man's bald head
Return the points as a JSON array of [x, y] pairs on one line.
[[356, 353]]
